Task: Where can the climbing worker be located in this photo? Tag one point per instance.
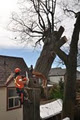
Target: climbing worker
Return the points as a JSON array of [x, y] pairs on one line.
[[20, 82]]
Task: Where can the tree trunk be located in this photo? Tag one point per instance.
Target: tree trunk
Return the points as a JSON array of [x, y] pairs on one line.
[[45, 61], [71, 66], [70, 90], [31, 110], [43, 65], [46, 58]]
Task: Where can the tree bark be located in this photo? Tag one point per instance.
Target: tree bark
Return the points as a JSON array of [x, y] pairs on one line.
[[70, 84], [70, 89], [31, 110], [46, 58], [71, 66], [45, 61]]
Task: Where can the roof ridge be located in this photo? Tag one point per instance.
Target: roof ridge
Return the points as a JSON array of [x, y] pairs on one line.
[[10, 56]]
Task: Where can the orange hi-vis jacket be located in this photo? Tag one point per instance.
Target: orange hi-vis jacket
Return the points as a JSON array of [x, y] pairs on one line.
[[19, 81]]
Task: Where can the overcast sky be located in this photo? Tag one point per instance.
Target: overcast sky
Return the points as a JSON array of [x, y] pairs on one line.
[[8, 46], [6, 7]]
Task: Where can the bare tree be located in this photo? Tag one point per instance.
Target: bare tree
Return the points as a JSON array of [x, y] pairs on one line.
[[43, 27], [28, 25], [70, 61]]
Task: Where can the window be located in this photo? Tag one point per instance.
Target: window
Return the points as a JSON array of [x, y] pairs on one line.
[[13, 99]]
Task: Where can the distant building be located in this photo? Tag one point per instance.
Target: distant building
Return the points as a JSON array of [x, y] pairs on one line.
[[57, 74]]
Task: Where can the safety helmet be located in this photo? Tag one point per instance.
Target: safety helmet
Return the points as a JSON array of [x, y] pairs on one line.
[[17, 70]]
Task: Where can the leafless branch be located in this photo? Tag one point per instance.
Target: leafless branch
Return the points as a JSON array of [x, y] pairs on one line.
[[38, 41], [47, 13], [20, 21], [66, 10], [40, 18]]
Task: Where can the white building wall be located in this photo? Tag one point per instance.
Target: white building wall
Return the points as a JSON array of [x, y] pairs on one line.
[[14, 114], [56, 79]]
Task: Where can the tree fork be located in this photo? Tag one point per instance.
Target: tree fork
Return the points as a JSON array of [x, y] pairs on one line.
[[46, 59]]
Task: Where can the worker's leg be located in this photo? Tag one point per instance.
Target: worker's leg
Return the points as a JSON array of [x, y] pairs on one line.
[[26, 96], [24, 93], [18, 92], [20, 95]]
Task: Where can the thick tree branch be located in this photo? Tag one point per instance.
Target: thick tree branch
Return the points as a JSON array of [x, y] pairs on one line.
[[61, 42], [60, 32], [62, 55], [75, 36]]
